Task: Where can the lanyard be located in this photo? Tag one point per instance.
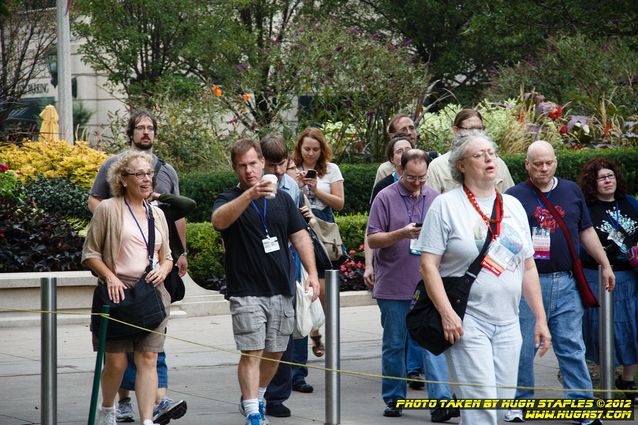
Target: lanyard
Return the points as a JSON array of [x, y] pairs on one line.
[[262, 216], [394, 176], [138, 224], [407, 208], [498, 204]]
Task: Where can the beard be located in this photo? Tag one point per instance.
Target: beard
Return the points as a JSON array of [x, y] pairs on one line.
[[143, 146]]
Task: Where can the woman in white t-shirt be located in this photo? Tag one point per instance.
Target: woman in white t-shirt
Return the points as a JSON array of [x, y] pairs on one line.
[[324, 185]]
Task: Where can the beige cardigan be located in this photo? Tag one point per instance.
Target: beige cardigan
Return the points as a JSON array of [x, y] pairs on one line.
[[103, 239]]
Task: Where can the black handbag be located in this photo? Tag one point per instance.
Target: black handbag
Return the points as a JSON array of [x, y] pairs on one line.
[[142, 304], [322, 261], [424, 321], [175, 285]]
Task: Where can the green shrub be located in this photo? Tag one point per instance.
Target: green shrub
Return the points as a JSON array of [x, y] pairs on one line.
[[570, 163], [352, 229], [58, 195], [34, 240], [204, 188], [205, 252], [358, 180]]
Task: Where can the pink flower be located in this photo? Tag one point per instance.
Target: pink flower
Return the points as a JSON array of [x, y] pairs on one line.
[[352, 252], [342, 268], [360, 264], [3, 168]]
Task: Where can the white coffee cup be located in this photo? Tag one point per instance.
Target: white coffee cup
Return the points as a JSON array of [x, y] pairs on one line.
[[273, 182]]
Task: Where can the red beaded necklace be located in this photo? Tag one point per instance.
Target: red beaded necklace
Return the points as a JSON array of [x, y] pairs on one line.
[[486, 219]]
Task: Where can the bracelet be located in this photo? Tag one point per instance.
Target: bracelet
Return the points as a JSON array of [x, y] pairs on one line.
[[184, 254]]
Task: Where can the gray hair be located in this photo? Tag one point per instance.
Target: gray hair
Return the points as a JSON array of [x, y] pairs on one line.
[[459, 147], [120, 168]]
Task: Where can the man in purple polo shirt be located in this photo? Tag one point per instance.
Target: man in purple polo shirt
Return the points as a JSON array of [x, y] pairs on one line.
[[394, 224]]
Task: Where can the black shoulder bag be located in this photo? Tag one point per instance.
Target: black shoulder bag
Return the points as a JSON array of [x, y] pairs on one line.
[[142, 304], [424, 321]]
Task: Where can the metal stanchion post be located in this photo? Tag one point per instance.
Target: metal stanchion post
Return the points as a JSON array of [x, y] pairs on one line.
[[48, 352], [606, 337], [333, 356], [98, 363]]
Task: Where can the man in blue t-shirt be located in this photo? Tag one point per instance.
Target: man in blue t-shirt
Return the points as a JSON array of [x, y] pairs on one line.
[[256, 226], [563, 306]]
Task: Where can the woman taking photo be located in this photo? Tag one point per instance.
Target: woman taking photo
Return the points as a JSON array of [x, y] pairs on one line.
[[322, 182], [614, 215], [487, 341], [116, 250]]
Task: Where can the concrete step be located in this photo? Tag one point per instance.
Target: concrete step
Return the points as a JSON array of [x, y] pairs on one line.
[[20, 299]]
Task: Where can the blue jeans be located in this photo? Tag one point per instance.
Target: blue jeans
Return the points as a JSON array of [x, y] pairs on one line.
[[300, 355], [436, 370], [395, 337], [414, 359], [128, 381], [564, 311]]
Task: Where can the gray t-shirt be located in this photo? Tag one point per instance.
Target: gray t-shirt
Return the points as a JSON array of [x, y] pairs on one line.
[[455, 230], [166, 180]]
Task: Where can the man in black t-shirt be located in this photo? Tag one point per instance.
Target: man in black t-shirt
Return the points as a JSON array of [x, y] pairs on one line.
[[256, 228]]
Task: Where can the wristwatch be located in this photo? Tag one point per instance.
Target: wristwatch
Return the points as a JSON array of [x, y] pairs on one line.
[[184, 254]]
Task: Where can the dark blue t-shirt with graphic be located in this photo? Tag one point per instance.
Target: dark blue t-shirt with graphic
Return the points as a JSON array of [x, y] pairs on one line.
[[569, 201]]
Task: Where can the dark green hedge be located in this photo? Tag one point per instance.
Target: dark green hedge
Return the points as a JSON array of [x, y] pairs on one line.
[[358, 178]]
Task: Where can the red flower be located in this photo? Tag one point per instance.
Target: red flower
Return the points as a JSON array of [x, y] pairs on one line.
[[352, 252], [1, 234], [3, 168], [557, 113], [563, 129]]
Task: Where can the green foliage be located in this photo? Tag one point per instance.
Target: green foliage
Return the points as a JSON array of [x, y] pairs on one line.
[[205, 252], [9, 185], [352, 229], [34, 240], [203, 188], [358, 180], [58, 195], [579, 71]]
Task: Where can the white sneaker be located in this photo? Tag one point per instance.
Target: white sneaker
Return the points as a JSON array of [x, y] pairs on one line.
[[106, 416], [514, 415]]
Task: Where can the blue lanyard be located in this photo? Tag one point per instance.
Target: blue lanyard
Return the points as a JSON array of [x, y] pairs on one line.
[[262, 216], [138, 224], [407, 208], [394, 176]]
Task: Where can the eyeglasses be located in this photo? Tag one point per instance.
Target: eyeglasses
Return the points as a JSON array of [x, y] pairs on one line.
[[482, 154], [149, 128], [610, 176], [412, 179], [141, 174]]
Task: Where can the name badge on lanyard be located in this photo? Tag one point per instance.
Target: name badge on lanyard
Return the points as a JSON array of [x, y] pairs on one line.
[[499, 258], [270, 243], [541, 240]]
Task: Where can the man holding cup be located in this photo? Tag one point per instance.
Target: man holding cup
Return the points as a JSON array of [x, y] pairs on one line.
[[258, 267]]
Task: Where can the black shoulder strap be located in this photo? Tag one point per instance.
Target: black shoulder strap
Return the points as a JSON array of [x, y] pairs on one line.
[[158, 165], [151, 238], [476, 266]]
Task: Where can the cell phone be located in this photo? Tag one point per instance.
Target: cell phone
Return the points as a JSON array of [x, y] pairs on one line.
[[311, 174], [418, 224]]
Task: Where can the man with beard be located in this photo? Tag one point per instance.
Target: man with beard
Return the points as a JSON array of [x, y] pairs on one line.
[[141, 131]]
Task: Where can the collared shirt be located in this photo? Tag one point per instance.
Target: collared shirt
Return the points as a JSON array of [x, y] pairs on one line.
[[396, 269], [289, 185]]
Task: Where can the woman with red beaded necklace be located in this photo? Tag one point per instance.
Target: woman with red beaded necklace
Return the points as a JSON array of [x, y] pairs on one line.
[[486, 342]]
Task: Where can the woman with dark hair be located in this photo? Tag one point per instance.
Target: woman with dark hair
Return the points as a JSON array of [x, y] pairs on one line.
[[614, 215]]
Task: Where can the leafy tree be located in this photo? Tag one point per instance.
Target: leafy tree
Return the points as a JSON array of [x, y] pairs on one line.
[[465, 41], [138, 43], [27, 31]]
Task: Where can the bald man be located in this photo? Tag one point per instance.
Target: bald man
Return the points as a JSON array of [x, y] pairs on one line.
[[563, 306]]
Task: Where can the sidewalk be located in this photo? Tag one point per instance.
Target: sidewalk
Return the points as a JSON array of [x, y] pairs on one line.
[[204, 374]]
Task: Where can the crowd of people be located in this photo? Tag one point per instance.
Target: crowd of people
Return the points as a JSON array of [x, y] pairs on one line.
[[429, 219]]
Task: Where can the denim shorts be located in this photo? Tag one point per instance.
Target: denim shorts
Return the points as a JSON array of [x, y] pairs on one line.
[[262, 323]]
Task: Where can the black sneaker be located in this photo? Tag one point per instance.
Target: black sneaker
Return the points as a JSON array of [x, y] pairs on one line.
[[414, 381], [621, 384], [443, 415], [392, 412], [277, 410]]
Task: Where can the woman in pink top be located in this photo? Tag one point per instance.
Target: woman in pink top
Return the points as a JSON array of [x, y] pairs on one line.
[[116, 250]]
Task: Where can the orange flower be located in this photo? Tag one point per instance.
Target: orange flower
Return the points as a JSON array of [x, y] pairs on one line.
[[217, 91], [246, 97]]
